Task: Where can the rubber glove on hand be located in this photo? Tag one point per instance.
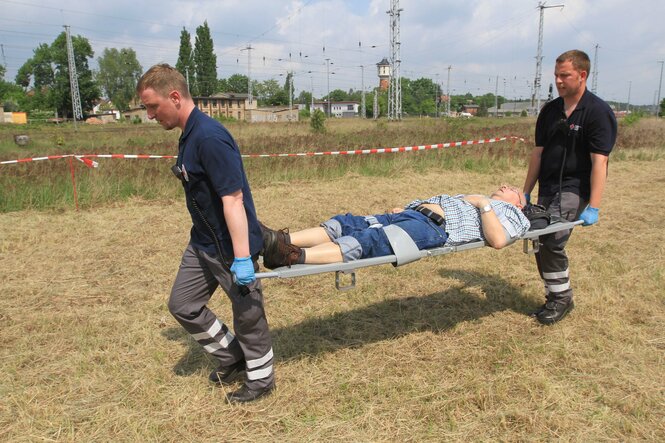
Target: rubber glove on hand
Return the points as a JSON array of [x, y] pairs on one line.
[[243, 271], [589, 216]]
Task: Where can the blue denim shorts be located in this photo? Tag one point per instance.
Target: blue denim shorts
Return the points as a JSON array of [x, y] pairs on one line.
[[362, 236]]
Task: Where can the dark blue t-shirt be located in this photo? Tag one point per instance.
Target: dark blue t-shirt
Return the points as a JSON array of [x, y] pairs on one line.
[[591, 128], [212, 168]]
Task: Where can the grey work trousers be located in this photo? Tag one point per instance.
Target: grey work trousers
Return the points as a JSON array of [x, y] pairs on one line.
[[198, 277], [551, 258]]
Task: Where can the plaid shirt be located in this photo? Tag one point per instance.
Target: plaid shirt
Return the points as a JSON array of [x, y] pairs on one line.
[[463, 223]]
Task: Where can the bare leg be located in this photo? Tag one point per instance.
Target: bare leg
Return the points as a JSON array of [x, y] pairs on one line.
[[310, 237], [324, 253]]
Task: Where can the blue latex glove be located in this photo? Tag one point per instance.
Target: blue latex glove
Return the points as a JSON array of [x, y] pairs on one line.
[[528, 198], [589, 216], [243, 271]]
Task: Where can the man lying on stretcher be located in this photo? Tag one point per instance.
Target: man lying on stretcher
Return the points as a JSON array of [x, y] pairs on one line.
[[437, 221]]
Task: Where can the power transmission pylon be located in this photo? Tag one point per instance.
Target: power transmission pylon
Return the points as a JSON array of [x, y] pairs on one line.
[[594, 76], [539, 57], [448, 92], [249, 71], [73, 78], [395, 85], [362, 96]]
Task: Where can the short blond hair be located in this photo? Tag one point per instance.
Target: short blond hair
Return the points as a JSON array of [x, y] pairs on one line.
[[163, 78], [579, 59]]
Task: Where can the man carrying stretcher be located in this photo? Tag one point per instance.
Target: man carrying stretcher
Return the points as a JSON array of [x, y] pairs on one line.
[[438, 221]]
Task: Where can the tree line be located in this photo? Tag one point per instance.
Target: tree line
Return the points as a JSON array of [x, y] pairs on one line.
[[42, 85]]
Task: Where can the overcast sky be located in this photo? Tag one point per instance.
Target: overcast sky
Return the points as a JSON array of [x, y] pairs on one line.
[[480, 39]]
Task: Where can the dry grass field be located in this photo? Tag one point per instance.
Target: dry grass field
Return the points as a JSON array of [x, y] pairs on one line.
[[438, 350]]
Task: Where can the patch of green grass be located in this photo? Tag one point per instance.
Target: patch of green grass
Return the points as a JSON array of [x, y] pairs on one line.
[[116, 180]]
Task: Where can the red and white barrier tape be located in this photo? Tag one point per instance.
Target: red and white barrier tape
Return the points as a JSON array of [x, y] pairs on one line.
[[387, 150], [85, 158]]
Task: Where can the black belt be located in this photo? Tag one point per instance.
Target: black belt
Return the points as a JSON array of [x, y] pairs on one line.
[[436, 218]]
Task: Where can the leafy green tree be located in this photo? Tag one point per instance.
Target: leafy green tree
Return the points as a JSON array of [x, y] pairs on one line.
[[185, 64], [119, 71], [206, 61], [270, 93], [419, 96], [237, 83], [3, 84], [279, 98], [48, 72], [38, 70], [9, 103], [258, 90], [409, 105], [223, 85], [457, 101], [662, 107], [338, 95], [288, 87], [303, 114], [369, 104], [382, 102], [10, 93], [24, 74], [488, 100], [88, 89], [304, 97], [463, 100], [355, 96]]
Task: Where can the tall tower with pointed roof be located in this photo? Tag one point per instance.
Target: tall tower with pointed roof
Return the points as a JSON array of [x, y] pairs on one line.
[[383, 68]]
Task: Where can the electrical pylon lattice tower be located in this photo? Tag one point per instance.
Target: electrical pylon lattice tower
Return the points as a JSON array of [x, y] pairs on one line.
[[539, 57], [395, 85], [594, 76], [249, 71], [73, 77]]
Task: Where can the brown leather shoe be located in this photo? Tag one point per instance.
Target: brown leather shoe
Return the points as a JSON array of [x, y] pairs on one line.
[[277, 252], [282, 234]]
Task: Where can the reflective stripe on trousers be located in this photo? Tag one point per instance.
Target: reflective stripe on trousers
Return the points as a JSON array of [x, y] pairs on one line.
[[551, 258], [198, 277]]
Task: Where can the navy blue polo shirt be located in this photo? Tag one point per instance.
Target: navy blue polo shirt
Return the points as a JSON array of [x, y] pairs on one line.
[[591, 128], [212, 167]]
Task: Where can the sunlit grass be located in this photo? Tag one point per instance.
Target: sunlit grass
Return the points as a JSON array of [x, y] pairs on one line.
[[47, 184], [438, 350]]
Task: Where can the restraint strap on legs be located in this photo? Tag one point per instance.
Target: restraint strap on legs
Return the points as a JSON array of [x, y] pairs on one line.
[[404, 248]]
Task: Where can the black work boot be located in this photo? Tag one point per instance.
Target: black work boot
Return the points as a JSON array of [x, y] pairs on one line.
[[246, 394], [553, 311], [225, 375]]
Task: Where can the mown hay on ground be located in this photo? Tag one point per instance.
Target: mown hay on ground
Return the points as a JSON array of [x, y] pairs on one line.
[[438, 350]]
